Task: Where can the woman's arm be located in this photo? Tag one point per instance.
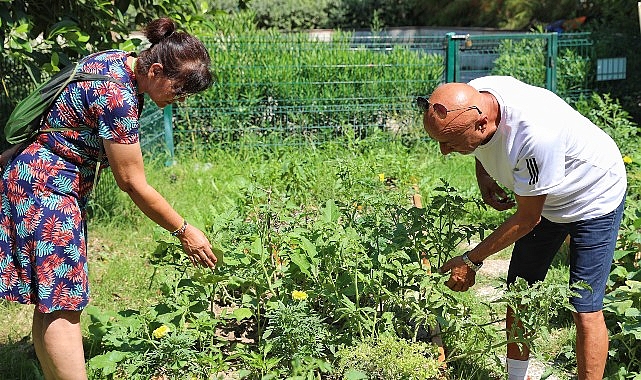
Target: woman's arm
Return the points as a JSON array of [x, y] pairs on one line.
[[128, 169]]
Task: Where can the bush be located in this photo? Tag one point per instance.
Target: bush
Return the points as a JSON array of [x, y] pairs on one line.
[[289, 15], [295, 331], [390, 358], [609, 115], [525, 61]]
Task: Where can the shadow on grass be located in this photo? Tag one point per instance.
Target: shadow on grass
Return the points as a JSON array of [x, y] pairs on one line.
[[19, 361]]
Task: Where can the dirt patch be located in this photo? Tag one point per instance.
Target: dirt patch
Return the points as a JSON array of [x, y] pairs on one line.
[[494, 268]]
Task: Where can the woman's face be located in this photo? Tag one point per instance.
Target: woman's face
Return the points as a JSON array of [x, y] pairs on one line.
[[161, 89]]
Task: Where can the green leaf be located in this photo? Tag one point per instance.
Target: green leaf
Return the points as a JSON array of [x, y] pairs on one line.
[[619, 272], [619, 307], [257, 247], [354, 374], [22, 28], [331, 211], [619, 254], [127, 45], [632, 312], [242, 313], [632, 329], [63, 27], [55, 59], [301, 262], [308, 247], [107, 363]]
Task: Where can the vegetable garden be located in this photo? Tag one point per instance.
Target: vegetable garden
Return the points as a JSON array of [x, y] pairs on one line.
[[329, 268]]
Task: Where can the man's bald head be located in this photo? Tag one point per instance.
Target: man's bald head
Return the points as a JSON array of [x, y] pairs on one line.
[[452, 97], [455, 95], [457, 117]]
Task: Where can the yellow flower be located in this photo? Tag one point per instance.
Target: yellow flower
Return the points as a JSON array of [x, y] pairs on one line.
[[627, 159], [161, 331], [381, 177], [299, 295]]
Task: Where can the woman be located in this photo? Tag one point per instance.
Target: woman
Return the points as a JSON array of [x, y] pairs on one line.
[[45, 186]]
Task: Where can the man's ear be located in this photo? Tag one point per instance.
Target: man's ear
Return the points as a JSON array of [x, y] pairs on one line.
[[481, 124]]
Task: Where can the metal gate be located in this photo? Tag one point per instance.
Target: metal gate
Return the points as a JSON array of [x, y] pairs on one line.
[[562, 63]]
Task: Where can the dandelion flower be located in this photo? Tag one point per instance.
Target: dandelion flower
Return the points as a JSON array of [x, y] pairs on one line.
[[381, 177], [299, 295], [161, 331], [627, 159]]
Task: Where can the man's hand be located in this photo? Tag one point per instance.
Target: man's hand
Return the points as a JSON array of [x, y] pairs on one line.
[[494, 195], [461, 278]]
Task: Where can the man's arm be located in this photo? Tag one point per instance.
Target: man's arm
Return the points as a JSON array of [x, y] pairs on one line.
[[526, 217]]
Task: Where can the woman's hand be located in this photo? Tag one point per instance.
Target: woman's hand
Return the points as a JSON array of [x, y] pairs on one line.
[[197, 247]]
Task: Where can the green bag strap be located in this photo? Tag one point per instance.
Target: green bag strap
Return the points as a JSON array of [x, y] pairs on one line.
[[80, 76], [95, 175], [77, 76]]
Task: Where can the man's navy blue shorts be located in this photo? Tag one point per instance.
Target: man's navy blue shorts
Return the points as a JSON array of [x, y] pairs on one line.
[[592, 244]]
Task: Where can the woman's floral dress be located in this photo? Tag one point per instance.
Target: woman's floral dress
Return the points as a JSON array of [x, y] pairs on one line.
[[45, 188]]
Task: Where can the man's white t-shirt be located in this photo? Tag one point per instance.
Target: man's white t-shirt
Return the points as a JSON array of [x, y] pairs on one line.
[[544, 146]]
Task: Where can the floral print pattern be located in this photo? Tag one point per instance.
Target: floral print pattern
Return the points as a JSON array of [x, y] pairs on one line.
[[45, 188]]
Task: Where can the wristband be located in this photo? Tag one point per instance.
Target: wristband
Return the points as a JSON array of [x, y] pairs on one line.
[[475, 267], [181, 230]]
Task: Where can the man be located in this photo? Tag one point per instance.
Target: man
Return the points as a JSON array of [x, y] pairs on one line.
[[568, 178]]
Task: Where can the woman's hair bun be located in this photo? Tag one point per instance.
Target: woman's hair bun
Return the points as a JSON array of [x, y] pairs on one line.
[[159, 29]]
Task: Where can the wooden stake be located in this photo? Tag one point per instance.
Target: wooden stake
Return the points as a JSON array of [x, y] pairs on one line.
[[434, 331]]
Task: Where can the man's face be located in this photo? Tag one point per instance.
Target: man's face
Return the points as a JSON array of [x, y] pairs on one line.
[[457, 132]]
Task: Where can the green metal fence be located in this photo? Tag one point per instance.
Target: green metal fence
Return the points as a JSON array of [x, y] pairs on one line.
[[563, 63], [299, 88], [292, 89]]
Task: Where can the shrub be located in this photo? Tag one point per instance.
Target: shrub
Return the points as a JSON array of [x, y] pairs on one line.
[[295, 331], [525, 61], [289, 15], [609, 115], [390, 358]]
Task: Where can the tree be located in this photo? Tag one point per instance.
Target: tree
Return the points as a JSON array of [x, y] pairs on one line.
[[41, 36]]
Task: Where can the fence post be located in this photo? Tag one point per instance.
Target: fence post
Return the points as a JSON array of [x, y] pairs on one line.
[[169, 133], [451, 54], [550, 65], [453, 67]]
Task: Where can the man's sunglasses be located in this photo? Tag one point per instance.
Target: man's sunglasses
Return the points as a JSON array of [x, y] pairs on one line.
[[440, 109]]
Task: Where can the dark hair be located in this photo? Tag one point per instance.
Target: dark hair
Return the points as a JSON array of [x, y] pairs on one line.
[[183, 57]]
